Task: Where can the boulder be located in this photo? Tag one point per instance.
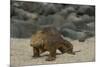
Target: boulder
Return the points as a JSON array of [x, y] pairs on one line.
[[22, 29], [73, 34]]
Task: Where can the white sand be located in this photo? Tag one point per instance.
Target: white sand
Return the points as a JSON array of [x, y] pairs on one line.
[[21, 53]]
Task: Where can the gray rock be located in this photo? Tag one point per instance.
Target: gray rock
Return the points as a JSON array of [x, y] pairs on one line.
[[22, 30], [73, 34], [91, 26], [85, 9], [68, 25]]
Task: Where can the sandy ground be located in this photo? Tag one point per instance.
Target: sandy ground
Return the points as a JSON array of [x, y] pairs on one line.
[[21, 53]]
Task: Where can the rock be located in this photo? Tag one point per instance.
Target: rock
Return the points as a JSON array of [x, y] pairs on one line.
[[69, 25], [14, 31], [58, 20], [73, 21], [87, 18], [45, 20], [73, 18], [23, 15], [55, 20], [85, 9], [22, 29], [66, 11], [41, 8], [73, 34], [91, 26]]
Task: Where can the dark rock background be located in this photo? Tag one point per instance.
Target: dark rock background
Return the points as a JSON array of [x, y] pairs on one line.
[[73, 21]]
